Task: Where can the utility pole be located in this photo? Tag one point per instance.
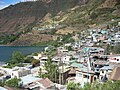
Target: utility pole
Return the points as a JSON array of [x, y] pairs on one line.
[[89, 67]]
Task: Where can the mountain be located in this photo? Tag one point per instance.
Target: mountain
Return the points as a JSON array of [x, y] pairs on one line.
[[17, 21], [25, 13]]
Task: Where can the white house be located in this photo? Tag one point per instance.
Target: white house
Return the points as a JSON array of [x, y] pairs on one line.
[[37, 57], [114, 59], [66, 59], [20, 71], [16, 71], [104, 72]]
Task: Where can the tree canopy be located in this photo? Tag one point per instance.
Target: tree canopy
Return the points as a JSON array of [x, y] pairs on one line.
[[14, 82], [51, 71], [109, 85], [17, 57]]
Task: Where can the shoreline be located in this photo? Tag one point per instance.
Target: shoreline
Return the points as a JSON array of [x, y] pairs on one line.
[[2, 63], [6, 51], [24, 45]]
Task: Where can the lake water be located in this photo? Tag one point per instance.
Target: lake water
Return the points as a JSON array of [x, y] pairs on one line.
[[6, 51]]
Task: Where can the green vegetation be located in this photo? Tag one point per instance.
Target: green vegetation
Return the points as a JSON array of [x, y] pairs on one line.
[[52, 72], [28, 59], [73, 86], [116, 48], [14, 82], [98, 12], [109, 85], [18, 59], [67, 38], [35, 63], [109, 49], [113, 49], [69, 48], [53, 43], [2, 83], [8, 38]]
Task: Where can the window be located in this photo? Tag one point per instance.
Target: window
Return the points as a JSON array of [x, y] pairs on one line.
[[86, 76], [102, 71]]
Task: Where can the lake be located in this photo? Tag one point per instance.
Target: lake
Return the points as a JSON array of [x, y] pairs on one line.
[[6, 51]]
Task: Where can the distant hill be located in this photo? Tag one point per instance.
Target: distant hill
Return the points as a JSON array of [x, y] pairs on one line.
[[22, 17], [17, 17]]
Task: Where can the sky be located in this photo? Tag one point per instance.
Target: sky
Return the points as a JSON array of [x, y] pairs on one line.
[[5, 3]]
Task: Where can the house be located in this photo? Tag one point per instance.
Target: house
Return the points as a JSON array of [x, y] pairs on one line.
[[20, 72], [16, 71], [61, 87], [114, 59], [87, 76], [68, 44], [38, 56], [104, 72], [115, 75], [63, 74], [26, 80], [81, 75], [118, 23], [46, 84], [43, 58], [56, 59], [2, 88], [94, 50], [42, 84], [65, 59], [62, 50]]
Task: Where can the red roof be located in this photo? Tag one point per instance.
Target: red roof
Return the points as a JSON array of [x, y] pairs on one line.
[[46, 82]]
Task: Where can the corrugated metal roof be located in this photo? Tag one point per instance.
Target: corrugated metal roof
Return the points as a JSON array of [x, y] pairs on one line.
[[78, 65], [2, 88], [29, 79]]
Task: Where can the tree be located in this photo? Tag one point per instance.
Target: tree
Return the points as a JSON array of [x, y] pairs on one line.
[[14, 82], [109, 85], [2, 83], [116, 48], [52, 71], [69, 48], [28, 59], [108, 49], [17, 57], [73, 86], [35, 63]]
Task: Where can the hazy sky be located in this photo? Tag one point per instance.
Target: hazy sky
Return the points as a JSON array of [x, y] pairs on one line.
[[5, 3]]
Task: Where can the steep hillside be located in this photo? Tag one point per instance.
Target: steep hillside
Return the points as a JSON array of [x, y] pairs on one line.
[[17, 17], [95, 12], [25, 17]]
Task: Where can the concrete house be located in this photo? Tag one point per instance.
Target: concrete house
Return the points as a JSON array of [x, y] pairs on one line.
[[105, 72], [114, 59], [17, 71]]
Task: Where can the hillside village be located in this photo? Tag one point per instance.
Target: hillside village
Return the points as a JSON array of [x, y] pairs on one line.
[[82, 39], [35, 21], [86, 60]]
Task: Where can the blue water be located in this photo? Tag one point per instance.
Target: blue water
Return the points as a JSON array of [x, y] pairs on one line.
[[6, 51]]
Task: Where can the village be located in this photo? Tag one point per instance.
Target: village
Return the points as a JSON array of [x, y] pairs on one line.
[[90, 58]]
